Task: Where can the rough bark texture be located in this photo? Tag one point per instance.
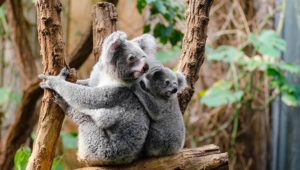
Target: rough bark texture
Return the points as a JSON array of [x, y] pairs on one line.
[[203, 158], [82, 50], [193, 46], [104, 23], [25, 119], [53, 54]]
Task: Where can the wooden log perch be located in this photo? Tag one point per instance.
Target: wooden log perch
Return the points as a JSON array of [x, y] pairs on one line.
[[203, 158]]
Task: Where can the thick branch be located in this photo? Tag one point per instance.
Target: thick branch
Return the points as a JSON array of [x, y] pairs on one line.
[[20, 42], [104, 23], [53, 54], [193, 46], [203, 158]]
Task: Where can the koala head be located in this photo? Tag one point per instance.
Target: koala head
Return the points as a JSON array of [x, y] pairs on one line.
[[127, 60], [164, 82]]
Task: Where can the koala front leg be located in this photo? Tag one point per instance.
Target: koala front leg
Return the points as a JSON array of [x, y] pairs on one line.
[[81, 96], [77, 116]]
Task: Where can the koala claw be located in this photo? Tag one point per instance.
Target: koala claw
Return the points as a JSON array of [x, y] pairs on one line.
[[64, 73]]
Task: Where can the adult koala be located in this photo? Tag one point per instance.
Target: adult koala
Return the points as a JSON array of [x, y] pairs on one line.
[[113, 124]]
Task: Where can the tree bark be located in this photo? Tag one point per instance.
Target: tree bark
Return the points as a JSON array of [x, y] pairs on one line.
[[53, 54], [104, 23], [203, 158], [193, 46]]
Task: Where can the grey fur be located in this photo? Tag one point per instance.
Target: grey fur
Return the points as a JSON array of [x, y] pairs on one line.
[[113, 124], [158, 93]]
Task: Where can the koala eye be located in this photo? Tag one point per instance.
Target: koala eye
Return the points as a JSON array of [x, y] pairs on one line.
[[143, 56], [131, 58], [167, 82]]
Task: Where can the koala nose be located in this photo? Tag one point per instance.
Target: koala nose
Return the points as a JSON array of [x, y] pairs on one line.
[[145, 68], [174, 90]]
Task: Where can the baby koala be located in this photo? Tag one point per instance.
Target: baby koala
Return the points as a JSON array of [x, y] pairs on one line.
[[157, 91]]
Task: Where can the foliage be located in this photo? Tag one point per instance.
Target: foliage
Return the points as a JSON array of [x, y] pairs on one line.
[[165, 56], [267, 48], [69, 139], [171, 12], [21, 158]]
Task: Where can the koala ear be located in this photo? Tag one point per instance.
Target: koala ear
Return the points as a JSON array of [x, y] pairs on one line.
[[147, 43], [154, 72], [111, 44], [181, 81]]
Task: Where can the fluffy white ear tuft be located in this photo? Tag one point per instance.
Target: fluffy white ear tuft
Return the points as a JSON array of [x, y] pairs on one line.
[[181, 81], [147, 43], [111, 43]]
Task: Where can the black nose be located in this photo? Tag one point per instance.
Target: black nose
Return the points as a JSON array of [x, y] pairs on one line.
[[174, 90], [145, 68]]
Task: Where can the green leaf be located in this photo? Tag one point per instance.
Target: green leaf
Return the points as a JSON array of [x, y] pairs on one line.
[[4, 94], [141, 5], [15, 97], [218, 97], [220, 94], [159, 5], [147, 28], [165, 56], [69, 139], [290, 67], [21, 157], [269, 43], [225, 54], [290, 100], [56, 165]]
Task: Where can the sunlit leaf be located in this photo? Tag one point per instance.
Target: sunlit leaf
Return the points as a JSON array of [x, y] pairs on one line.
[[165, 56], [4, 94], [21, 157], [225, 54], [290, 100], [269, 42], [56, 165]]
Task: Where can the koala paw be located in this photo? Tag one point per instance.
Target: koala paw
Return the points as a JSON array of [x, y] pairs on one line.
[[46, 84]]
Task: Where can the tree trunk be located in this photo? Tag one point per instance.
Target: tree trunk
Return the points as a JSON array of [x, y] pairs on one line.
[[104, 23], [203, 158], [53, 54], [193, 46]]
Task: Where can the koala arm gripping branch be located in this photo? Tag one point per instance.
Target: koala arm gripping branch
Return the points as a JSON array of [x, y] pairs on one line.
[[82, 97]]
